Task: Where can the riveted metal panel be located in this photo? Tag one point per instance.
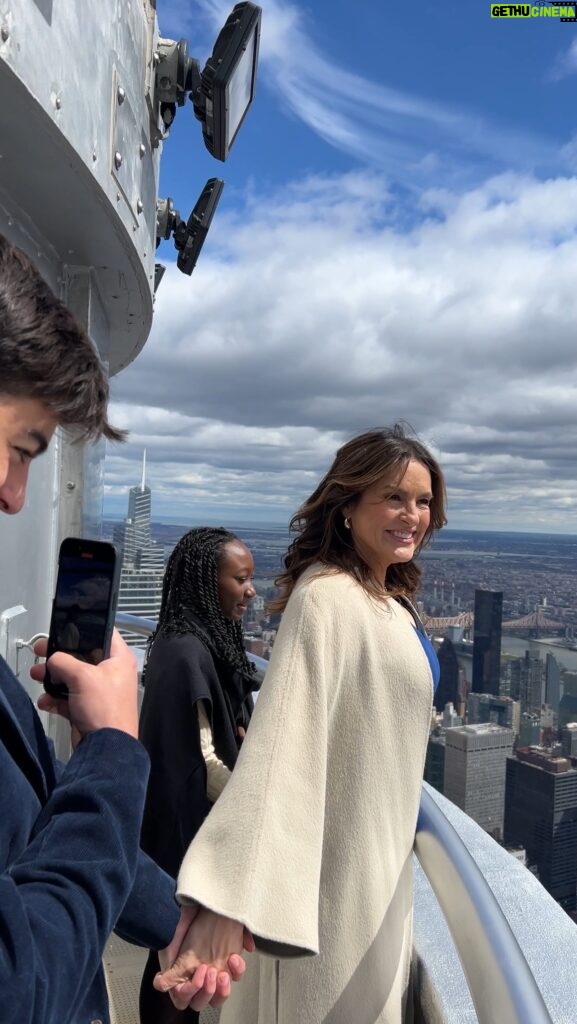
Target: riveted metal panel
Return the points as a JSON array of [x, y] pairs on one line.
[[61, 125]]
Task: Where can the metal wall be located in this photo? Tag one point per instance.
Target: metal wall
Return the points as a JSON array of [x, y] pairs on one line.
[[79, 164]]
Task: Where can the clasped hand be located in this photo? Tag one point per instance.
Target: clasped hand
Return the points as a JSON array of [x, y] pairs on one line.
[[203, 956]]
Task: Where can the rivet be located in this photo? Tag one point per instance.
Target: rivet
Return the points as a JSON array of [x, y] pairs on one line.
[[120, 94], [4, 33], [142, 149], [94, 154], [58, 103], [139, 206], [70, 485], [118, 160]]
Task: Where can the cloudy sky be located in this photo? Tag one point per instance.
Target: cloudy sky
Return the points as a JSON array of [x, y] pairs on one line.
[[397, 238]]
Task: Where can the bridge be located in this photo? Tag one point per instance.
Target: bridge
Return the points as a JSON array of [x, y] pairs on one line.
[[535, 621]]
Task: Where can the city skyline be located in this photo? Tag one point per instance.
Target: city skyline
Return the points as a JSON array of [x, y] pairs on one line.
[[395, 240]]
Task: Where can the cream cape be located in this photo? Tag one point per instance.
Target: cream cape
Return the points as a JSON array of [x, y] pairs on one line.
[[310, 844]]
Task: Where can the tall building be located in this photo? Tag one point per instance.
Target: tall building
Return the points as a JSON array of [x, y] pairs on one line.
[[567, 710], [570, 683], [484, 707], [132, 536], [448, 688], [527, 681], [487, 641], [435, 760], [450, 717], [569, 739], [475, 759], [541, 815], [553, 685], [512, 669], [532, 693], [142, 572], [530, 730]]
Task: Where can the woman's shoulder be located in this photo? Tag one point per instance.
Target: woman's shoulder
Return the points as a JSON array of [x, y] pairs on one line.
[[322, 584], [186, 649], [336, 592]]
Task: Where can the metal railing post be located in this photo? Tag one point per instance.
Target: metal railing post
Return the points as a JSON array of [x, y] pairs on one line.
[[500, 981]]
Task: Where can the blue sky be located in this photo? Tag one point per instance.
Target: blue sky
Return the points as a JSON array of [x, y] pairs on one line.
[[397, 238]]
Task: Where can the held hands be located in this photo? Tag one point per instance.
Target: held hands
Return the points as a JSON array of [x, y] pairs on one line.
[[202, 958], [99, 696]]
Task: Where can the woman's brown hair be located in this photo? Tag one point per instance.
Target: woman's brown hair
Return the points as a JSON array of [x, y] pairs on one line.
[[322, 537]]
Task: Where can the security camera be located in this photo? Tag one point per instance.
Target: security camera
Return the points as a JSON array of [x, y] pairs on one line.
[[223, 91], [188, 237]]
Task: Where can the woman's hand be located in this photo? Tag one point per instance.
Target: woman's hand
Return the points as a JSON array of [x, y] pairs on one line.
[[202, 958]]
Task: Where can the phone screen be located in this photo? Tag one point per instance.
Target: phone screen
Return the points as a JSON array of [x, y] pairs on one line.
[[84, 603]]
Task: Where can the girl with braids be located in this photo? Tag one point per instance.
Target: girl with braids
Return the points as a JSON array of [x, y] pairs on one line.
[[310, 845], [196, 707]]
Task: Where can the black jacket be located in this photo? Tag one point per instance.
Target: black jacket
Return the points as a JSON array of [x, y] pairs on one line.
[[180, 672]]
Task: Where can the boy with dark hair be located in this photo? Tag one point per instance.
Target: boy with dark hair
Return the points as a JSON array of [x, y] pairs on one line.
[[45, 354], [70, 865]]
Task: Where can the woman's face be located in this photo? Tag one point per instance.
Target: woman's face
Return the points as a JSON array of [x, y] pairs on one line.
[[391, 518], [235, 573]]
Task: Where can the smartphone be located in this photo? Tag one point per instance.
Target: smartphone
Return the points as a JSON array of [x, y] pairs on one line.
[[84, 606]]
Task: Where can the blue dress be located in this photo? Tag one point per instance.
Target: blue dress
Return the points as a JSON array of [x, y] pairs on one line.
[[431, 656], [425, 642]]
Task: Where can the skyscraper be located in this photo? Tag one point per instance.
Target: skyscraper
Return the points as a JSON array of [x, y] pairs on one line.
[[435, 760], [529, 730], [541, 815], [133, 534], [448, 688], [553, 685], [527, 681], [569, 739], [484, 707], [532, 683], [475, 758], [142, 573], [487, 641]]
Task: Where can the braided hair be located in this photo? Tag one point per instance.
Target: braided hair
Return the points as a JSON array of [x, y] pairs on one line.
[[191, 584]]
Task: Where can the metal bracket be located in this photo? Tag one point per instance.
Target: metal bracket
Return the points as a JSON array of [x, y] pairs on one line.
[[5, 620]]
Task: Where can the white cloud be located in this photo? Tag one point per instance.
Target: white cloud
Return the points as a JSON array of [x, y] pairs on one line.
[[318, 314], [565, 63]]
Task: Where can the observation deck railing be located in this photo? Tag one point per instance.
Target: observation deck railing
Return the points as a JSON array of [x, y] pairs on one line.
[[490, 945]]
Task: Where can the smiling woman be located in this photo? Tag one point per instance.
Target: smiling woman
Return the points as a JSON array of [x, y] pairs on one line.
[[310, 845], [235, 574], [196, 708]]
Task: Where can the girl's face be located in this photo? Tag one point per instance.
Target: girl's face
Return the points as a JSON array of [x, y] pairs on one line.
[[235, 575]]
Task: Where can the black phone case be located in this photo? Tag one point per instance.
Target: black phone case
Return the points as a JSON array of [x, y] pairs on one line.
[[59, 690]]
